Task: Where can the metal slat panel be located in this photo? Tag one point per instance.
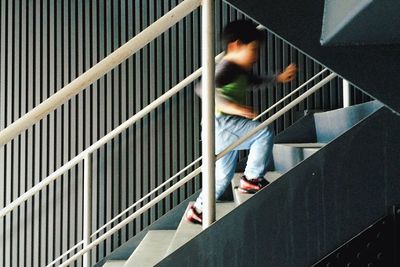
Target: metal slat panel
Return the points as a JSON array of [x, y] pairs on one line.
[[124, 153], [58, 70], [167, 106], [51, 205], [160, 86], [131, 110], [144, 152], [138, 104], [152, 116], [3, 109], [174, 152], [23, 149], [8, 97]]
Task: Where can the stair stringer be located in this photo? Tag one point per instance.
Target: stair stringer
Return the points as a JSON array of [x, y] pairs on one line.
[[313, 208]]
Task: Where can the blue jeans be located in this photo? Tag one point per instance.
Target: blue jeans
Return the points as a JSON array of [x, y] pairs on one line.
[[228, 129]]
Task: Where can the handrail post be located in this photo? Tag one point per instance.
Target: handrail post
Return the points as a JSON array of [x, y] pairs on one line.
[[208, 112], [87, 207], [346, 94]]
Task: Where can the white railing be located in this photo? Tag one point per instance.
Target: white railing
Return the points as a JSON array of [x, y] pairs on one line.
[[208, 112], [116, 132], [98, 70], [171, 179], [77, 159], [198, 170]]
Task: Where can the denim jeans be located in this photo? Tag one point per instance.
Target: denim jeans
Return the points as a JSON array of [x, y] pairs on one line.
[[228, 129]]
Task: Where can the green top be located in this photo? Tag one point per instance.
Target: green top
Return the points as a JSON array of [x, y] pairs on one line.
[[232, 83], [233, 92]]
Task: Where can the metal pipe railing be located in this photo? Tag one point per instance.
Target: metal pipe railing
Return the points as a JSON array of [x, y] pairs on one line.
[[98, 70], [108, 137], [278, 114], [87, 207], [292, 93], [65, 254], [146, 196], [74, 161], [346, 94], [208, 112], [194, 162], [198, 170], [77, 159]]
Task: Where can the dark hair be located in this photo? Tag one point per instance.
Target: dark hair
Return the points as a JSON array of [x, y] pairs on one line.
[[243, 30]]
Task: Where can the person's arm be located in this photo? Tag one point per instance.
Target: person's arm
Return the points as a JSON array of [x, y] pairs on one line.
[[259, 82], [285, 76]]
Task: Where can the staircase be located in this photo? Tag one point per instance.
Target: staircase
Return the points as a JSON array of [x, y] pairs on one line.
[[166, 246], [333, 173]]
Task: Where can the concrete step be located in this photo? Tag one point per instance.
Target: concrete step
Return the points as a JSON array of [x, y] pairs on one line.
[[152, 249], [114, 263], [286, 156], [307, 152], [241, 197], [186, 230]]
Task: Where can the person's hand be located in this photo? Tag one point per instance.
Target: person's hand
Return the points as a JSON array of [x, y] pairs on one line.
[[288, 74]]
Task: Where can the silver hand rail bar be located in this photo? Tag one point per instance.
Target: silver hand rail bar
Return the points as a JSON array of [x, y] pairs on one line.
[[292, 93], [98, 70], [77, 159], [74, 161], [65, 254], [198, 159], [198, 170], [146, 196]]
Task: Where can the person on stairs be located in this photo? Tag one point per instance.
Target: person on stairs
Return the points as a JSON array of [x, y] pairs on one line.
[[233, 117]]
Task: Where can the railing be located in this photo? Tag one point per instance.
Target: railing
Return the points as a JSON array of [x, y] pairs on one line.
[[197, 171], [100, 69], [171, 179]]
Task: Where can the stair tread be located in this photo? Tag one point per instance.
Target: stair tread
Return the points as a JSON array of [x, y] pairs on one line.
[[287, 156], [114, 263], [302, 145], [241, 197], [186, 230], [270, 176], [152, 249]]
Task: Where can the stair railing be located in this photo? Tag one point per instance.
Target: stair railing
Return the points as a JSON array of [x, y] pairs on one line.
[[98, 70], [171, 179], [197, 171], [85, 154]]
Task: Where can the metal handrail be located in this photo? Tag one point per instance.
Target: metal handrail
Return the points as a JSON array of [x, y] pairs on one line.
[[198, 170], [65, 254], [198, 159], [146, 196], [289, 95], [98, 70], [183, 170], [77, 159]]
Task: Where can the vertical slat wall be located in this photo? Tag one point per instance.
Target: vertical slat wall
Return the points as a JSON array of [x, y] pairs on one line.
[[45, 44]]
